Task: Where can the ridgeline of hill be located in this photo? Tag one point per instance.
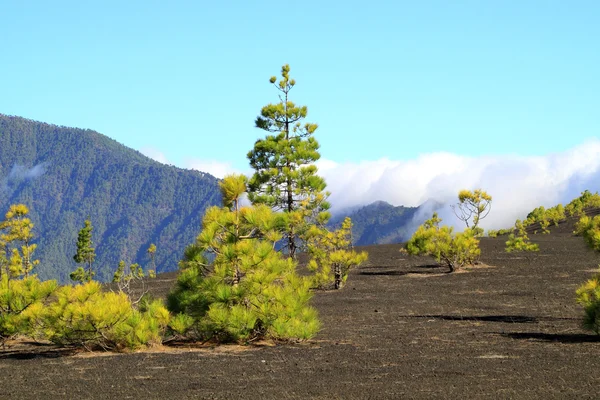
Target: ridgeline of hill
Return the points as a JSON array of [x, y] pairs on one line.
[[383, 223], [65, 175]]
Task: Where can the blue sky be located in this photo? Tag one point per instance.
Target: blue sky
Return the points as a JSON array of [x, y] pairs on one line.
[[413, 99], [382, 79]]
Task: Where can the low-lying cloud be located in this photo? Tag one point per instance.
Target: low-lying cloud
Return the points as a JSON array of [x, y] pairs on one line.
[[517, 183], [20, 172], [217, 169]]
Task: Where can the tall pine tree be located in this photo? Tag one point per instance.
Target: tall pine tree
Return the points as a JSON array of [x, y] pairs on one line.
[[86, 254], [285, 176]]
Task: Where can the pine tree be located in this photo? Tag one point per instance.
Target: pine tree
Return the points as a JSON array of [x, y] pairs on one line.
[[21, 294], [85, 254], [245, 289], [285, 176], [16, 249]]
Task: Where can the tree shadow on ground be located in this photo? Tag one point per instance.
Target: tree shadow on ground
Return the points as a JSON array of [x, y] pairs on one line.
[[553, 337], [432, 269], [509, 319], [30, 354]]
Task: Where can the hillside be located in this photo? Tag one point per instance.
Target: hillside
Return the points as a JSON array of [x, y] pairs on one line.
[[65, 175], [401, 328], [383, 223]]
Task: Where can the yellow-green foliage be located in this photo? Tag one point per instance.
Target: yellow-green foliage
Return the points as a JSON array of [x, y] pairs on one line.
[[84, 315], [472, 207], [520, 241], [545, 217], [495, 233], [331, 256], [247, 290], [588, 295], [589, 228], [454, 250], [16, 250], [578, 205], [21, 304]]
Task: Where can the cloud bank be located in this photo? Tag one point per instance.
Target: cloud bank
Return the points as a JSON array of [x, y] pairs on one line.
[[517, 183]]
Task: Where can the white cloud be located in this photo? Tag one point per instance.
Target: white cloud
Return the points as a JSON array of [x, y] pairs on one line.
[[517, 184], [154, 154], [215, 168]]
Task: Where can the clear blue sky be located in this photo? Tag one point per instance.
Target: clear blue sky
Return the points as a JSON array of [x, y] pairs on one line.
[[382, 78]]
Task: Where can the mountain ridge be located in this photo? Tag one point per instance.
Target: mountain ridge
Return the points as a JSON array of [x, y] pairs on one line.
[[66, 174]]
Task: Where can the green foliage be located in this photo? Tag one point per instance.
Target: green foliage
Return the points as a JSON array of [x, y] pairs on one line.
[[520, 241], [589, 228], [22, 304], [588, 295], [84, 315], [454, 250], [578, 205], [494, 233], [285, 176], [247, 290], [544, 217], [331, 256], [16, 249], [86, 254], [472, 207], [65, 175]]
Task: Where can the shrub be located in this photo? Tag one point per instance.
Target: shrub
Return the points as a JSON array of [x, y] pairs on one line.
[[454, 250], [21, 304], [588, 295], [578, 205], [495, 233], [589, 228], [331, 256], [545, 217], [520, 241], [84, 315]]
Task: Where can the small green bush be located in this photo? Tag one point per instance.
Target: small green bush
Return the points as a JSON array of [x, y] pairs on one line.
[[454, 250], [84, 315], [520, 241], [331, 255], [578, 205], [588, 295], [589, 228]]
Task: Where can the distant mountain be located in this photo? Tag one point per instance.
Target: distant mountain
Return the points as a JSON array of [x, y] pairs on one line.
[[380, 223], [65, 175]]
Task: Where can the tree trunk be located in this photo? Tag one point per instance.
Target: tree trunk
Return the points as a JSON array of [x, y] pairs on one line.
[[337, 273]]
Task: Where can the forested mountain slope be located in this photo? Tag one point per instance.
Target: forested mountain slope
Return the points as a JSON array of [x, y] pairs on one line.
[[380, 223], [65, 175]]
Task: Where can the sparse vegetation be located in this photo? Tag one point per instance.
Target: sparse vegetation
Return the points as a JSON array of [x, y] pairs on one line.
[[500, 232], [589, 228], [453, 249], [545, 217], [331, 255], [520, 241], [578, 205], [472, 207], [588, 295]]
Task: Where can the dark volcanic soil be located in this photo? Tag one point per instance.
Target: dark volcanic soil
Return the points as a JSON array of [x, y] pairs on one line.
[[402, 328]]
